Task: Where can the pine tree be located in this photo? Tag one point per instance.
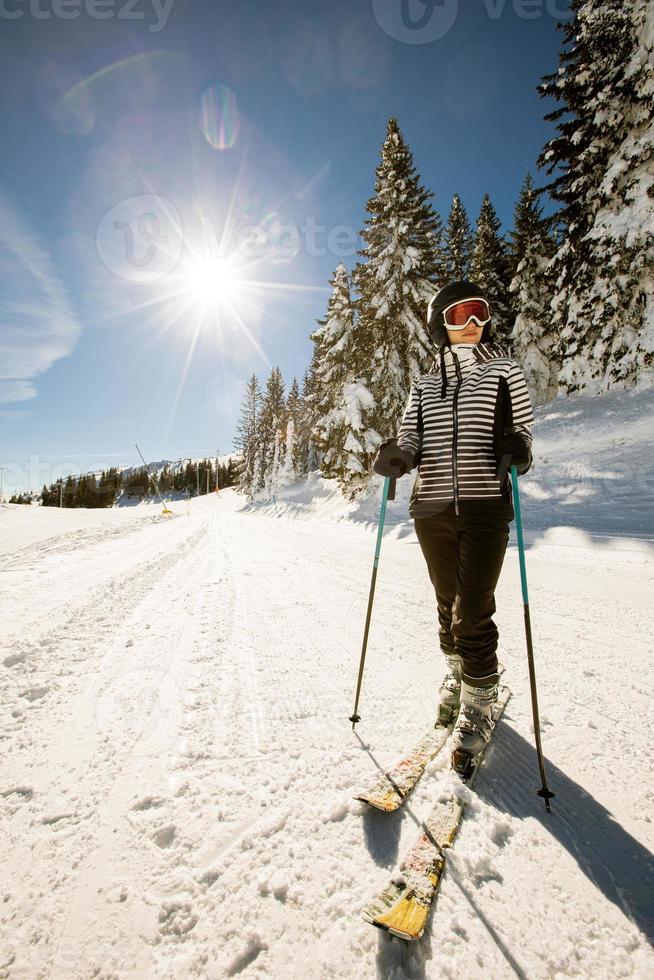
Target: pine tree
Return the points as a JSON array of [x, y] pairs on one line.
[[402, 266], [273, 478], [601, 161], [69, 492], [489, 269], [294, 417], [458, 242], [91, 498], [338, 429], [306, 450], [246, 440], [288, 473], [531, 251], [271, 420]]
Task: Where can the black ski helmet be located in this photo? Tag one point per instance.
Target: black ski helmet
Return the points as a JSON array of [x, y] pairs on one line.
[[452, 293]]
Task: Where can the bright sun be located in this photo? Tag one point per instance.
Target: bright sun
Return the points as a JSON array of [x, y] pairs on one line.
[[211, 280]]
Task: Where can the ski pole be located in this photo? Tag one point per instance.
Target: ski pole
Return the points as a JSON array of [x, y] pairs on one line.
[[544, 791], [387, 494]]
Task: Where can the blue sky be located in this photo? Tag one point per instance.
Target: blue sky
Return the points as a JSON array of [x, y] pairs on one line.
[[136, 145]]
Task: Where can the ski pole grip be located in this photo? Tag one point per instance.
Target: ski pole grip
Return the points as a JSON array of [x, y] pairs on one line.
[[504, 468], [391, 488]]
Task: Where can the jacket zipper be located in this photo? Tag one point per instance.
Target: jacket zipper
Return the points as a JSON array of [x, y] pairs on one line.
[[455, 475]]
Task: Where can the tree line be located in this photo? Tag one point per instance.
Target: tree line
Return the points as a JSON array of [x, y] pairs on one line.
[[570, 293], [372, 342], [104, 489]]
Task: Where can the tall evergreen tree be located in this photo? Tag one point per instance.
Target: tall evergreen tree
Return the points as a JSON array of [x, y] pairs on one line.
[[531, 231], [271, 420], [489, 268], [291, 463], [230, 475], [246, 440], [531, 251], [339, 429], [274, 471], [458, 242], [601, 161], [402, 265], [306, 450], [69, 492], [294, 416], [288, 473]]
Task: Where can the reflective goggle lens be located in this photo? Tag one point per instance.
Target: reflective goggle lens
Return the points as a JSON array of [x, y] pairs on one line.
[[459, 314]]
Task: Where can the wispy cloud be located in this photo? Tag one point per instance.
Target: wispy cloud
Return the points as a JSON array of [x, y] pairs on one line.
[[37, 322]]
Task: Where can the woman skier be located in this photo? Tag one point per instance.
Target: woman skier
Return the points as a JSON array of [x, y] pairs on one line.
[[461, 426]]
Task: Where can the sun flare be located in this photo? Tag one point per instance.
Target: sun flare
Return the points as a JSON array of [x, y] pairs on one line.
[[211, 280]]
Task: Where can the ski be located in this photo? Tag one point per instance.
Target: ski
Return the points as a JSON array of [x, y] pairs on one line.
[[392, 788], [403, 907]]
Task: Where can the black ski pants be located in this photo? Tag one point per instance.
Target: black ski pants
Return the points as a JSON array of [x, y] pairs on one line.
[[464, 555]]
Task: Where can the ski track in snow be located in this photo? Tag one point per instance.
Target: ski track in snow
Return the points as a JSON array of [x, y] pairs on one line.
[[178, 769]]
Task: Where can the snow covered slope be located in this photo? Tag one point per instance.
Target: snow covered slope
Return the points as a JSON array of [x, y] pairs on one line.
[[177, 767], [593, 470]]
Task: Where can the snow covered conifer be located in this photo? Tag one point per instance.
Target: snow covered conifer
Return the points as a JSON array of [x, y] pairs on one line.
[[458, 242], [288, 473], [294, 411], [602, 161], [531, 251], [340, 432], [247, 434], [271, 420], [289, 458], [273, 475], [401, 269], [489, 269], [305, 448]]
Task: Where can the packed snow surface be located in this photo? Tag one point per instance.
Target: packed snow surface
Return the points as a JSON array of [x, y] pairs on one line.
[[178, 768]]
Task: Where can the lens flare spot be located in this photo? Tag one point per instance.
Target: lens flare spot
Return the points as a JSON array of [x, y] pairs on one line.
[[219, 118], [73, 114], [66, 100]]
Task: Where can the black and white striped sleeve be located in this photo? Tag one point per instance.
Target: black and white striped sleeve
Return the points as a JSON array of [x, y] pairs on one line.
[[521, 408], [410, 434], [523, 413]]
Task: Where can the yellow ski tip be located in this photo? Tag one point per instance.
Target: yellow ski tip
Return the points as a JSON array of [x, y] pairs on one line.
[[406, 920], [387, 804]]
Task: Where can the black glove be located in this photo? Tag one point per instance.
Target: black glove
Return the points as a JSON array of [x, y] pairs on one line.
[[514, 445], [393, 461]]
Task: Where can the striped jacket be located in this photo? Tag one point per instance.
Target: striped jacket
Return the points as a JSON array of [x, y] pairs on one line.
[[450, 423]]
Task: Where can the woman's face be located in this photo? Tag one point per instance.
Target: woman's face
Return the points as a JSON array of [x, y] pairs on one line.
[[471, 334]]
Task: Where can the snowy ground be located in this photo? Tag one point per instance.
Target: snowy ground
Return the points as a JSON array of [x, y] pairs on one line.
[[177, 766]]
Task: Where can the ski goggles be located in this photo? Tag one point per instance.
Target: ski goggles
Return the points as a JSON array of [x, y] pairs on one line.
[[456, 316]]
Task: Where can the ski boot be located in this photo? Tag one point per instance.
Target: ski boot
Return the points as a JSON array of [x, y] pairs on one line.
[[449, 693], [475, 723]]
